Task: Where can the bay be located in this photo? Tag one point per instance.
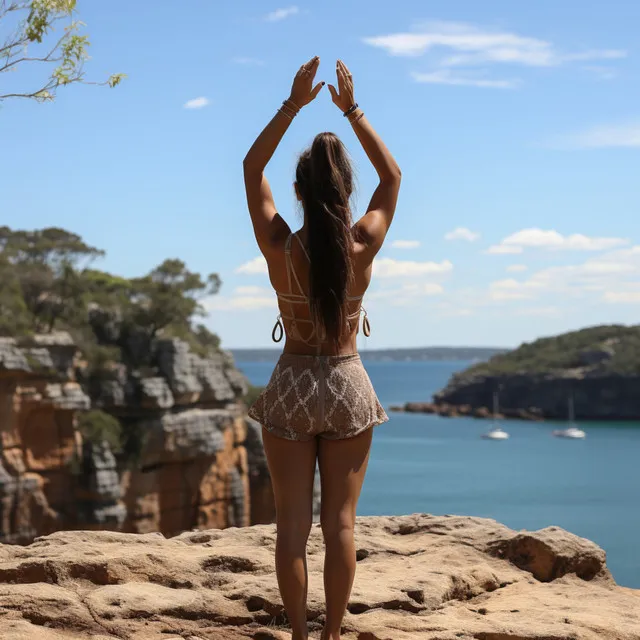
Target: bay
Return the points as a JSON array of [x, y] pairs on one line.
[[430, 464]]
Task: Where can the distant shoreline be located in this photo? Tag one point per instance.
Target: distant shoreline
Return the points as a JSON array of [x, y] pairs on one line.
[[415, 354]]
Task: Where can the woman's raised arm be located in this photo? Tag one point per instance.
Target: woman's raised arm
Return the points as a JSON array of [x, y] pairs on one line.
[[266, 223], [373, 226]]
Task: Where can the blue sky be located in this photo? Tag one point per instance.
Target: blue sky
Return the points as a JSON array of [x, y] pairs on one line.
[[516, 125]]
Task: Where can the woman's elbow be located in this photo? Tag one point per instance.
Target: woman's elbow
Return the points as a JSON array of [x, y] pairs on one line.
[[249, 167], [394, 174]]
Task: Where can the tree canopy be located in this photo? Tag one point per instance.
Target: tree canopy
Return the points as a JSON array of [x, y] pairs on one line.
[[49, 282], [613, 348], [43, 33]]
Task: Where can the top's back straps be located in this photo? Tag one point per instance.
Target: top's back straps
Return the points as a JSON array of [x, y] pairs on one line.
[[366, 326], [302, 246]]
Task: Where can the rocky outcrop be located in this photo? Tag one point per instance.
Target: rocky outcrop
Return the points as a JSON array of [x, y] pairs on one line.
[[596, 396], [193, 461], [597, 367], [419, 577]]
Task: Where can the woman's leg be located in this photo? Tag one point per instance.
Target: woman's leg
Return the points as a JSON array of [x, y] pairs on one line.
[[292, 467], [343, 464]]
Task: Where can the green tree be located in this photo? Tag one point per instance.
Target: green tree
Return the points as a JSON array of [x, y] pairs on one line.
[[15, 319], [46, 266], [169, 295], [29, 41], [47, 283]]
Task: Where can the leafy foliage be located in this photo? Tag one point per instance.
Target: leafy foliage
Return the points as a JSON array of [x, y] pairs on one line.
[[252, 394], [30, 23], [168, 295], [44, 268], [620, 345], [98, 426]]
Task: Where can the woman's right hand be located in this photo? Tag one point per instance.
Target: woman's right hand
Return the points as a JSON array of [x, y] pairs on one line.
[[343, 97]]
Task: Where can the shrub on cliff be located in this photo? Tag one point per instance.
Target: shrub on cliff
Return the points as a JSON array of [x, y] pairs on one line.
[[97, 427], [252, 394]]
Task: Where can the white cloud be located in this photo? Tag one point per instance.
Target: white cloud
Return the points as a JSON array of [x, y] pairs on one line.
[[473, 45], [500, 249], [595, 54], [240, 303], [450, 311], [408, 294], [462, 233], [623, 136], [551, 239], [516, 268], [281, 14], [453, 45], [612, 277], [417, 289], [196, 103], [390, 268], [446, 76], [602, 72], [622, 297], [249, 62], [405, 244], [244, 298], [537, 311], [510, 289], [257, 265], [251, 291]]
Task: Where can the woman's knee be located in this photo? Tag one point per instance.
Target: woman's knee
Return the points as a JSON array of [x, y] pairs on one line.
[[337, 525], [294, 530]]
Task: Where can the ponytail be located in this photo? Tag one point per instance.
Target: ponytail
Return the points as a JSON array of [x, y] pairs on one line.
[[324, 177]]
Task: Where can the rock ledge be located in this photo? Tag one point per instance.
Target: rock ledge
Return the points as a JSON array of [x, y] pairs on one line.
[[419, 577]]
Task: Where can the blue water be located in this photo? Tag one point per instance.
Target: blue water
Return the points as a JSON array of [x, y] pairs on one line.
[[423, 463]]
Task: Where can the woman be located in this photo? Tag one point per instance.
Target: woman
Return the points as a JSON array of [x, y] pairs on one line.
[[319, 403]]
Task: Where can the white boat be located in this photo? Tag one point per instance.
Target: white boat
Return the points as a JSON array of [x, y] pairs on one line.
[[572, 432], [497, 432]]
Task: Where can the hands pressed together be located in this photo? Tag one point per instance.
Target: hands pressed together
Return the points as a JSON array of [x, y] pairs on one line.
[[304, 91]]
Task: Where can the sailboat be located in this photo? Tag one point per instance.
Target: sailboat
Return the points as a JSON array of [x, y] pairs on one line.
[[497, 432], [572, 431]]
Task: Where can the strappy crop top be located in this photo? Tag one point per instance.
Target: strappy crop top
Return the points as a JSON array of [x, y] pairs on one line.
[[291, 299]]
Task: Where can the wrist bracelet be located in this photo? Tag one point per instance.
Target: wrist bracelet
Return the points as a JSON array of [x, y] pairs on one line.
[[284, 113], [288, 107], [292, 106], [350, 110], [356, 117]]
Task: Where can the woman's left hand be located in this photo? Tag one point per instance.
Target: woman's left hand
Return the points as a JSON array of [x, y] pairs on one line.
[[303, 91]]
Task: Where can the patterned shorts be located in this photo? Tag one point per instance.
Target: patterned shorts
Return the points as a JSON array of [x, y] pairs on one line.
[[327, 396]]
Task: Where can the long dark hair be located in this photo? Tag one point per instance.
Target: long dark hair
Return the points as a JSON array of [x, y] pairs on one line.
[[324, 178]]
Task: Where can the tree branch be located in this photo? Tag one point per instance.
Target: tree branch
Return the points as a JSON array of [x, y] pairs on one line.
[[68, 55], [19, 60]]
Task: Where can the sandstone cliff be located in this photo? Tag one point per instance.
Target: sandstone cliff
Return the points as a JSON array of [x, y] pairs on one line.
[[419, 577], [194, 460]]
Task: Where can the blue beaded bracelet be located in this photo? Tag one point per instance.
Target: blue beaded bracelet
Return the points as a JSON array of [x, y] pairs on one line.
[[350, 110]]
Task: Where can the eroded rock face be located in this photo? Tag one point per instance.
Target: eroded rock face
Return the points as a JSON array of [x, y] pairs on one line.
[[597, 395], [419, 578], [192, 469]]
